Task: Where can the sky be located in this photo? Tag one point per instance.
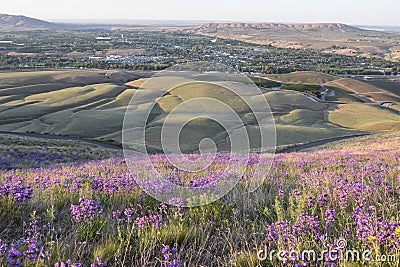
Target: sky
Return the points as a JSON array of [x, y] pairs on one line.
[[354, 12]]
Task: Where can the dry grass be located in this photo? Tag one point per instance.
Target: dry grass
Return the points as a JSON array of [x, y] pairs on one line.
[[68, 78], [321, 37], [303, 77], [383, 97], [364, 89], [137, 83], [342, 96], [376, 141], [395, 107], [97, 111], [66, 149], [389, 84], [364, 117]]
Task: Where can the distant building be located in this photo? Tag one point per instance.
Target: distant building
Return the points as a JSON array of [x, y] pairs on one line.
[[7, 42], [275, 88], [96, 58], [386, 104], [103, 40]]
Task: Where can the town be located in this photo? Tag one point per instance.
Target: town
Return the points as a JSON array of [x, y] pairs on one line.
[[157, 49]]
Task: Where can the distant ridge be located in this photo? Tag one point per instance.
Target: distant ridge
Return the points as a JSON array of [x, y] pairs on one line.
[[337, 38], [306, 26], [23, 21]]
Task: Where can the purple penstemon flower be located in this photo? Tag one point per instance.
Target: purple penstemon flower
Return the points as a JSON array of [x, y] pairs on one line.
[[169, 255], [86, 211]]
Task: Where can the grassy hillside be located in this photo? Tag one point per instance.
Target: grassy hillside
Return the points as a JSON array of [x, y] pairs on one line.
[[363, 144], [342, 95], [303, 77], [33, 152], [67, 78], [389, 84], [365, 90], [395, 107], [51, 102], [96, 213], [364, 117]]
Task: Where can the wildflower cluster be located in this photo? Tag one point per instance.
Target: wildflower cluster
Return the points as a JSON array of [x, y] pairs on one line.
[[169, 255], [99, 263], [15, 189], [68, 263], [151, 220], [28, 251], [127, 216], [86, 211]]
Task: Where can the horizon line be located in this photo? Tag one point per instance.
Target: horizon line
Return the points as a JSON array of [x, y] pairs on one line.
[[100, 20]]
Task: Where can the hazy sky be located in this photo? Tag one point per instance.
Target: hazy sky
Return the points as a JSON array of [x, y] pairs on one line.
[[371, 12]]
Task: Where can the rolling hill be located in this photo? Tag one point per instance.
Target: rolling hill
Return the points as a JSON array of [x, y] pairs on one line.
[[89, 105], [23, 21]]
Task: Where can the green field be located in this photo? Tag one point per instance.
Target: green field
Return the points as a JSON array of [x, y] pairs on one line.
[[266, 83], [311, 89]]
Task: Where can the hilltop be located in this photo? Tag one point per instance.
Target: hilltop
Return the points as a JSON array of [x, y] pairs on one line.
[[23, 22]]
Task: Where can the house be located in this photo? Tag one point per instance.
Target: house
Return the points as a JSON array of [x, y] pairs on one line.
[[386, 104], [7, 42], [103, 40]]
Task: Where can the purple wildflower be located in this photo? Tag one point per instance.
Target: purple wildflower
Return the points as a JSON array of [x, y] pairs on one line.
[[86, 211]]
